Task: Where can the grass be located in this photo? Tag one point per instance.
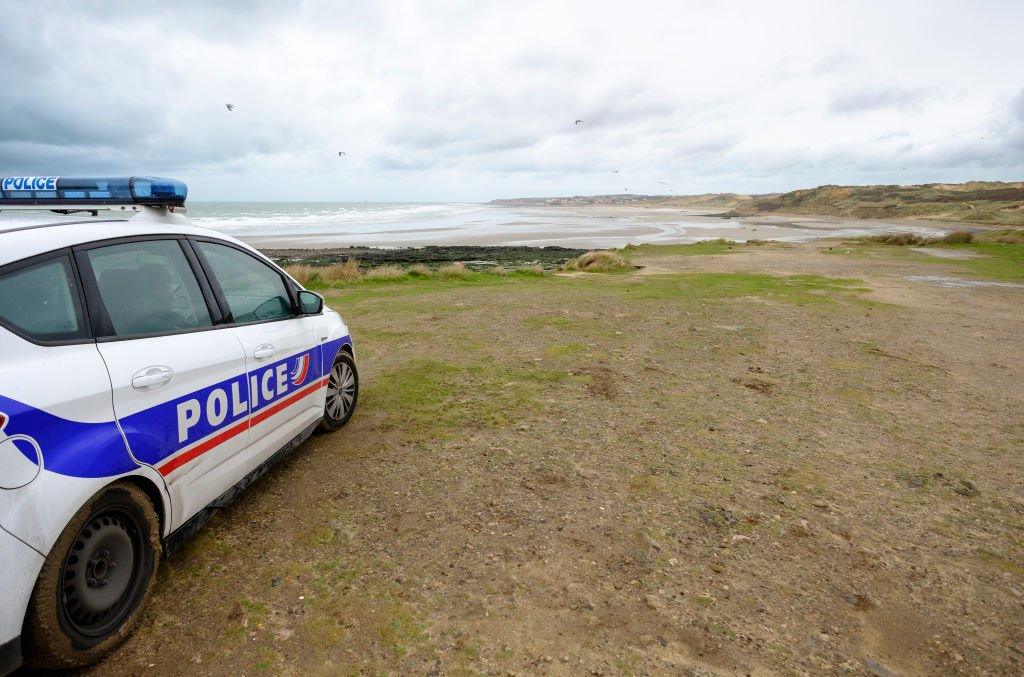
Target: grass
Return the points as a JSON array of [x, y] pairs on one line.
[[997, 255], [420, 537], [992, 260], [427, 397], [600, 261], [346, 274], [913, 239], [993, 203], [1000, 261], [704, 248], [800, 289]]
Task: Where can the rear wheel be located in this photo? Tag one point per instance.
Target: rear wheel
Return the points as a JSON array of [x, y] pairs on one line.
[[342, 392], [95, 580]]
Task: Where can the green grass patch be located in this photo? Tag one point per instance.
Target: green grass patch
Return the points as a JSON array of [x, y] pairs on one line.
[[705, 248], [565, 349], [552, 321], [801, 289], [994, 261], [402, 631], [428, 397]]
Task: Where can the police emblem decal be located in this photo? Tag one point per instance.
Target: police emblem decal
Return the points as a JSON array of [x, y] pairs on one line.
[[301, 371]]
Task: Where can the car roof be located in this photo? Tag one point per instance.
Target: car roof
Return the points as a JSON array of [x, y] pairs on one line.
[[21, 240]]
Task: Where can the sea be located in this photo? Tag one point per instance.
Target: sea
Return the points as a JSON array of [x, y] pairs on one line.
[[402, 224]]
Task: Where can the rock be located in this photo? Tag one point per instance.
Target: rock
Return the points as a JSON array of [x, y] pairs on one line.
[[801, 528], [651, 541], [717, 517], [878, 669], [652, 602], [965, 488], [588, 605]]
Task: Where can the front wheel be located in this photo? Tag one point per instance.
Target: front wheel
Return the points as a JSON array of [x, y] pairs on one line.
[[342, 393], [93, 584]]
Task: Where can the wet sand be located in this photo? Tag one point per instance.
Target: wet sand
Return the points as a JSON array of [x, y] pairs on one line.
[[607, 226]]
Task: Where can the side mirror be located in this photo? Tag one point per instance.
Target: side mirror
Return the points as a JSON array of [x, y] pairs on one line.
[[310, 303]]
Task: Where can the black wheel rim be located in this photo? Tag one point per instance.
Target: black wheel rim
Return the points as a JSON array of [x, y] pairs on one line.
[[341, 391], [103, 573]]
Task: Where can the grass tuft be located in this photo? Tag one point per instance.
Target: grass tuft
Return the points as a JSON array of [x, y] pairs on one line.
[[536, 270], [452, 270], [601, 261], [958, 237], [349, 270], [303, 274], [389, 272], [419, 270]]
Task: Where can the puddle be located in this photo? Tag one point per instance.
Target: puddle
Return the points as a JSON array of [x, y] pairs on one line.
[[956, 282], [945, 253]]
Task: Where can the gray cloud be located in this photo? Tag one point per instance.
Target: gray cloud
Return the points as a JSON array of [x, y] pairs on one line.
[[470, 100], [866, 99]]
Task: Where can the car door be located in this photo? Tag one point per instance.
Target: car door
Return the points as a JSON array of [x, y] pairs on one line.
[[282, 348], [180, 390], [55, 410]]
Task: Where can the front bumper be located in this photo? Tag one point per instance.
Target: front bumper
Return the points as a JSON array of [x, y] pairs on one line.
[[21, 565]]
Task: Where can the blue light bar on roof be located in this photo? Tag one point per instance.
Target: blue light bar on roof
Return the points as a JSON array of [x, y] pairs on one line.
[[57, 190]]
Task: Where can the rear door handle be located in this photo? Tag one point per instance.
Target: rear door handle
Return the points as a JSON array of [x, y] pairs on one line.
[[263, 352], [152, 378]]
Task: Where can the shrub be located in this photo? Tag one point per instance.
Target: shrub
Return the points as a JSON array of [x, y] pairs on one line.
[[451, 270], [958, 237], [389, 272], [499, 270], [1010, 239], [303, 274], [600, 261], [899, 239], [349, 270], [419, 270]]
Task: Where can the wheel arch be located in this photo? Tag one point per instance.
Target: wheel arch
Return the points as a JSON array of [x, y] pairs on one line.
[[156, 496]]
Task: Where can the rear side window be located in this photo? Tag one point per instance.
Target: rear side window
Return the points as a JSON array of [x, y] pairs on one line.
[[41, 301], [148, 287], [255, 292]]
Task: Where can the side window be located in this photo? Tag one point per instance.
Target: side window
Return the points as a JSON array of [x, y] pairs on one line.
[[42, 301], [148, 288], [255, 292]]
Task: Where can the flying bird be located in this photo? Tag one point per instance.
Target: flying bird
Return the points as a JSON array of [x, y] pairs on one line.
[[615, 171], [229, 106], [341, 152], [579, 122]]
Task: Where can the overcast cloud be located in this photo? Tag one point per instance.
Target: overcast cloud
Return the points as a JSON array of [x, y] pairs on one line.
[[472, 101]]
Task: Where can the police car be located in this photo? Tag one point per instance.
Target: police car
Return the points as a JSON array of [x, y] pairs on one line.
[[149, 371]]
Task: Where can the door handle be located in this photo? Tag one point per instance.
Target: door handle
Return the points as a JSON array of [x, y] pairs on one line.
[[263, 352], [152, 378]]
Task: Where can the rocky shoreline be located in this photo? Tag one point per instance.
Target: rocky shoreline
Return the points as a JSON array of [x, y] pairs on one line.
[[471, 256]]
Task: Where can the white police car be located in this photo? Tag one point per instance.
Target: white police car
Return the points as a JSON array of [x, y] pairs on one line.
[[149, 371]]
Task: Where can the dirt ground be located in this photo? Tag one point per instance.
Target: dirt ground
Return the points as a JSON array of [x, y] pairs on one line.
[[767, 460]]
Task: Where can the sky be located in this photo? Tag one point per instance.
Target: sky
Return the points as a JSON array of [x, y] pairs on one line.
[[469, 101]]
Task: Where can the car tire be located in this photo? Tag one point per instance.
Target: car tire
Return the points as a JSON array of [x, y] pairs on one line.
[[95, 581], [342, 393]]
